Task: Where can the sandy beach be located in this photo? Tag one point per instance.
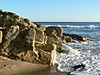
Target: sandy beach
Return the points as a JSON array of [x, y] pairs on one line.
[[13, 67]]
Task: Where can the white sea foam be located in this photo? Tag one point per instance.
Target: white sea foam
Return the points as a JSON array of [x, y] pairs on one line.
[[77, 26], [75, 57]]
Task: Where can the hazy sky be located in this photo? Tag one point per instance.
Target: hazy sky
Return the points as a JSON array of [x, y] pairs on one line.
[[54, 10]]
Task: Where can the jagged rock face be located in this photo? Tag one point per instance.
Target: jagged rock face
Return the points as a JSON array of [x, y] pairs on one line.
[[39, 38], [54, 35], [56, 40], [10, 35], [19, 37], [29, 41], [47, 51]]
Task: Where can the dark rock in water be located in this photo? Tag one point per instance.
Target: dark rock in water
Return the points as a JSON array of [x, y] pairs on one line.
[[82, 66], [66, 39], [75, 37]]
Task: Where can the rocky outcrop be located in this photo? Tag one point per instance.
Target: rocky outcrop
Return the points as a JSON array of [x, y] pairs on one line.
[[21, 39]]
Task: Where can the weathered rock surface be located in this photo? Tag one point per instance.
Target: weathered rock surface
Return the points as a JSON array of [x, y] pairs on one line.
[[21, 39], [54, 30], [53, 35], [39, 37]]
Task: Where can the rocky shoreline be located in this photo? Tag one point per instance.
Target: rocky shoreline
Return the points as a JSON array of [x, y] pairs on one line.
[[21, 39]]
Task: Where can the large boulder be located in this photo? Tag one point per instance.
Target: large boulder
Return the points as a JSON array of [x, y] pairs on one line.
[[54, 30], [47, 53]]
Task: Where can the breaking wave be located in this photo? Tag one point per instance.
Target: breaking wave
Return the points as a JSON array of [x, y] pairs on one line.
[[78, 56], [78, 26]]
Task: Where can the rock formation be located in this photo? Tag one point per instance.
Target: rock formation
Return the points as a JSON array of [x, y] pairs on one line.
[[21, 39]]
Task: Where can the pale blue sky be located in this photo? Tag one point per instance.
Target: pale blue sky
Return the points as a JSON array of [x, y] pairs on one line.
[[54, 10]]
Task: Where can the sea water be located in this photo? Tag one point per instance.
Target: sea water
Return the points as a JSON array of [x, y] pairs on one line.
[[87, 52]]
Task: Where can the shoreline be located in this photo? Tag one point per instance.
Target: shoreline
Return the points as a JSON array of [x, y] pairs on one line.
[[13, 67], [31, 45]]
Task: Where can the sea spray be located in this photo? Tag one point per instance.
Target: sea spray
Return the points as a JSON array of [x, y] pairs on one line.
[[66, 61]]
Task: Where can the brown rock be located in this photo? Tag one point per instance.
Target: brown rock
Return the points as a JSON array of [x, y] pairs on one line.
[[9, 36], [30, 23], [66, 39], [30, 36], [53, 39], [54, 30], [29, 41], [47, 53], [40, 27], [39, 38], [31, 57]]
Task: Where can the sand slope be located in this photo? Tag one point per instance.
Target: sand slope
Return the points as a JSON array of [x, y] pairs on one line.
[[13, 67]]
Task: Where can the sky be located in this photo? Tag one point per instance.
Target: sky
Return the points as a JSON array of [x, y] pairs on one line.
[[54, 10]]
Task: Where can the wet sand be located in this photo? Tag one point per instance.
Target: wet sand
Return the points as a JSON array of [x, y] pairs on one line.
[[13, 67]]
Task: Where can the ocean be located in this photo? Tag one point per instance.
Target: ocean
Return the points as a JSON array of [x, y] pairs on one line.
[[87, 52]]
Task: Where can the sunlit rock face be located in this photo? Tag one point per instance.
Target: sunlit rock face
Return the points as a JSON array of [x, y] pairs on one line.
[[24, 40]]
